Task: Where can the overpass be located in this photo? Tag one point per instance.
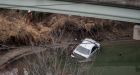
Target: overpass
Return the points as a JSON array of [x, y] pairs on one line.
[[81, 9]]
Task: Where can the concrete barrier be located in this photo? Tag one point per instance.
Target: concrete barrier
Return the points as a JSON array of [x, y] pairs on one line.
[[136, 32]]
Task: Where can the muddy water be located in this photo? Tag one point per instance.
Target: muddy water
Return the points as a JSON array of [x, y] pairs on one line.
[[118, 58]]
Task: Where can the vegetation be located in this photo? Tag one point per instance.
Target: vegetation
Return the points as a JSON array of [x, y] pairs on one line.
[[46, 28], [62, 33], [123, 54]]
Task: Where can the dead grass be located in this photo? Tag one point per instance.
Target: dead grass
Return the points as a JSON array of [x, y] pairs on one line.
[[14, 28], [54, 63], [17, 31]]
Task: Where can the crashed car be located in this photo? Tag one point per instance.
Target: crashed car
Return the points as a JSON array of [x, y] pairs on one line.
[[86, 49]]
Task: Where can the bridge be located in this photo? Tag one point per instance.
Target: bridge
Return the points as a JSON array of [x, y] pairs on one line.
[[102, 10]]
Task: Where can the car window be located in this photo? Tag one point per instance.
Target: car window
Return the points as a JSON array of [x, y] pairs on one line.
[[83, 50], [93, 49]]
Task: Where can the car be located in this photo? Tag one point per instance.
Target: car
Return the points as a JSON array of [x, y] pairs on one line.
[[86, 49]]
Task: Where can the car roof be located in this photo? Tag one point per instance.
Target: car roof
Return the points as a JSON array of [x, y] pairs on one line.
[[88, 44]]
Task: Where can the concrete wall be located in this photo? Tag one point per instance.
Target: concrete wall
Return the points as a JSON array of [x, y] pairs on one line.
[[121, 2], [136, 33]]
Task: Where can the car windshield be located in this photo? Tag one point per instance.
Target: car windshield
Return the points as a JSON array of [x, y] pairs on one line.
[[83, 50]]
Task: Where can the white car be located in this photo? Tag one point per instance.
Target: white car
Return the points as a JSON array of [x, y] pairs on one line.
[[86, 49]]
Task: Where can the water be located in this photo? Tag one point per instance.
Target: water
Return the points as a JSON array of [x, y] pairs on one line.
[[118, 58]]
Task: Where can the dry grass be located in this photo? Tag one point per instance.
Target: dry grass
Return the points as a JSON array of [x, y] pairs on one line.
[[55, 63], [14, 28], [17, 31]]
